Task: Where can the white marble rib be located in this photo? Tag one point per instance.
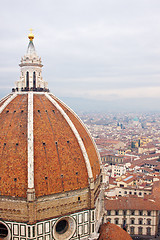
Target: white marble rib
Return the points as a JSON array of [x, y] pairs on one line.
[[98, 155], [85, 155], [7, 102], [30, 142]]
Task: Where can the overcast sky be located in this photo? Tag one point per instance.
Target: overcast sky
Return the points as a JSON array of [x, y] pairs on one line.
[[91, 49]]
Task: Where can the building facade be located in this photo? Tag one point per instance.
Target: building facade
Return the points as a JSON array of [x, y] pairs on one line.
[[118, 170], [137, 216], [112, 159]]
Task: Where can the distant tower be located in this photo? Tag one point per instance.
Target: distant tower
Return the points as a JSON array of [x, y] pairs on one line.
[[50, 171]]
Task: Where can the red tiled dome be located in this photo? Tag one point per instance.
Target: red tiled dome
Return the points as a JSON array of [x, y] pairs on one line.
[[110, 231], [61, 145]]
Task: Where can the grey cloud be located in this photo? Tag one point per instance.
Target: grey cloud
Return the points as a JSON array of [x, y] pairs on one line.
[[87, 44]]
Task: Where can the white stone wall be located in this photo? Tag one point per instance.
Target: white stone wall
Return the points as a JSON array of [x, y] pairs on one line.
[[84, 225], [117, 191], [118, 170], [22, 83]]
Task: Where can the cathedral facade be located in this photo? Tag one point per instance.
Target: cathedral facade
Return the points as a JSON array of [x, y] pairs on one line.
[[51, 176]]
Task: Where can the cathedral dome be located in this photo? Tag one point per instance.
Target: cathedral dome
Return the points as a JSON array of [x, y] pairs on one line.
[[38, 129], [50, 171]]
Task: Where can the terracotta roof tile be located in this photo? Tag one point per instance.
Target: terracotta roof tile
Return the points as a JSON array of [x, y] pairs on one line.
[[59, 163], [110, 231], [91, 151], [131, 203], [13, 148]]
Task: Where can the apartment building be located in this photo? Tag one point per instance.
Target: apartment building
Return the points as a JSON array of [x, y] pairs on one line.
[[138, 216]]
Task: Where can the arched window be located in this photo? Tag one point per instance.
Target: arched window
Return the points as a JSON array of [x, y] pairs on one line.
[[132, 220], [27, 79], [148, 231], [131, 230], [108, 220], [140, 221], [148, 221], [116, 220], [116, 212], [92, 216], [124, 212], [108, 212], [140, 230], [34, 80]]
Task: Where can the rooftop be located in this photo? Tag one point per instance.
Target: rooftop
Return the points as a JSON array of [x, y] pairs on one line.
[[132, 203]]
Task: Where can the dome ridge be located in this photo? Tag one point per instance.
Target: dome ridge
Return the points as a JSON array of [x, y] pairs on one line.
[[96, 153], [8, 100], [78, 118], [90, 174], [30, 142]]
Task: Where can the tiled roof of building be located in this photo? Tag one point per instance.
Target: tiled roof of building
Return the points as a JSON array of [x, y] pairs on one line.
[[112, 181], [106, 153], [132, 203], [59, 162], [110, 231], [156, 191]]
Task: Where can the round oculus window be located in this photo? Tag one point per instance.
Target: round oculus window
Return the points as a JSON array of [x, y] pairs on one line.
[[4, 231], [64, 228]]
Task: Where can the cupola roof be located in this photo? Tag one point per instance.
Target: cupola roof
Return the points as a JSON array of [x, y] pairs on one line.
[[31, 71], [31, 49]]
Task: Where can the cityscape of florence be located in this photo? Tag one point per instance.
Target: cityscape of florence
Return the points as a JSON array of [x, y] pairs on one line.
[[80, 120]]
